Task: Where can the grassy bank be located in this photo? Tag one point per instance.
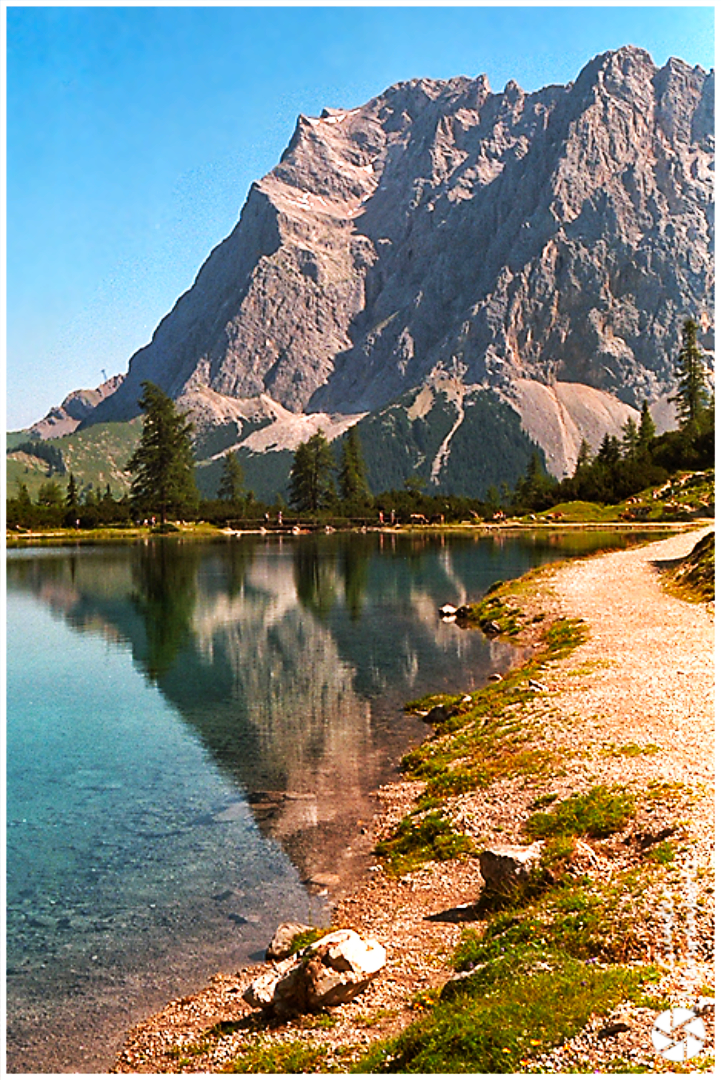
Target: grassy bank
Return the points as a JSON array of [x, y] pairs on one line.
[[693, 577], [119, 534], [27, 537]]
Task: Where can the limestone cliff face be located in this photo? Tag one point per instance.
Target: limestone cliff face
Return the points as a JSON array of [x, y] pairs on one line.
[[443, 231]]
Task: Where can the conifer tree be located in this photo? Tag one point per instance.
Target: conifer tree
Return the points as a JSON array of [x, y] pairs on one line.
[[71, 494], [646, 428], [692, 396], [629, 439], [584, 457], [230, 487], [311, 477], [23, 496], [535, 485], [609, 452], [71, 502], [162, 465], [50, 494], [352, 477]]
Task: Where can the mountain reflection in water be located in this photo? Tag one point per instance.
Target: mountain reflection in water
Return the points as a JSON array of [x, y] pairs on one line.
[[290, 660], [154, 841]]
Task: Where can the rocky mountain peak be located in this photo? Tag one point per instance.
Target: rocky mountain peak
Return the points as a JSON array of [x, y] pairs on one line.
[[444, 231]]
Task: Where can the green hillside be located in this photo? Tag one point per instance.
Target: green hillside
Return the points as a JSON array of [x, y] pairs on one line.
[[394, 447], [96, 456], [489, 448], [266, 475]]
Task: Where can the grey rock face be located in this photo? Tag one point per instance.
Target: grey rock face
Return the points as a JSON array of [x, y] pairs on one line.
[[541, 248], [557, 235]]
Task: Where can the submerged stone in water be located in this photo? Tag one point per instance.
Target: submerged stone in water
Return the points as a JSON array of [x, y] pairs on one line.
[[233, 812]]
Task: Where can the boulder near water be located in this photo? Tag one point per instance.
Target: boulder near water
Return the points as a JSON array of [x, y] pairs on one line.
[[280, 946], [329, 972]]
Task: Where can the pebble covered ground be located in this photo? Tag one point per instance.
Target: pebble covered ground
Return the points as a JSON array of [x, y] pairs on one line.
[[632, 705]]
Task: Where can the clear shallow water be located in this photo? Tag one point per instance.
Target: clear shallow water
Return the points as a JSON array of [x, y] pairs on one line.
[[194, 735]]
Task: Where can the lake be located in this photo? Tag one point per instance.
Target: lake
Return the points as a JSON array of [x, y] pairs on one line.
[[194, 735]]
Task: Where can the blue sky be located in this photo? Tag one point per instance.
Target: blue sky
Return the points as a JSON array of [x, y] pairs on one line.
[[133, 135]]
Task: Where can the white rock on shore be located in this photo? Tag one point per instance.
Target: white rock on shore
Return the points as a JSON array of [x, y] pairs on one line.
[[333, 970]]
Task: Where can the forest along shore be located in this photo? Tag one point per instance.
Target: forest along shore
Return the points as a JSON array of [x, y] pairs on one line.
[[623, 707]]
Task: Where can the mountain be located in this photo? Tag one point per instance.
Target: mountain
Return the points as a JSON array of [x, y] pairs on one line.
[[464, 274], [77, 406]]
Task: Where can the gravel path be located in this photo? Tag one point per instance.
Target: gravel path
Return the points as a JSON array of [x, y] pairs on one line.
[[644, 680], [654, 658], [632, 705]]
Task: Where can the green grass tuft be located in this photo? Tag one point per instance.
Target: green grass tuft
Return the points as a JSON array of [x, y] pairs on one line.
[[544, 800], [524, 1004], [662, 854], [291, 1057], [419, 840], [563, 636], [597, 813], [307, 937]]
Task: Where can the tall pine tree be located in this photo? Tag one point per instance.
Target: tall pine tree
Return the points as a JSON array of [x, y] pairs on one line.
[[646, 429], [162, 465], [692, 396], [230, 487], [311, 477], [352, 480], [629, 440]]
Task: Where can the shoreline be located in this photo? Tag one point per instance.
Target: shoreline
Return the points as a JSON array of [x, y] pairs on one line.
[[420, 915], [73, 537]]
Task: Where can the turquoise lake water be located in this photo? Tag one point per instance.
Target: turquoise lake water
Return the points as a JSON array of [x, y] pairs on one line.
[[194, 735]]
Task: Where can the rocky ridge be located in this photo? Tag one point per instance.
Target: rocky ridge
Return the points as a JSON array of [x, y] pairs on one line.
[[76, 407], [507, 242]]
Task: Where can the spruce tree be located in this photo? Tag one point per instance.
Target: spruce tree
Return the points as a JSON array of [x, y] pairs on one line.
[[352, 479], [609, 452], [692, 396], [230, 487], [162, 465], [535, 486], [311, 477], [23, 496], [584, 457], [71, 502], [646, 429], [71, 494], [629, 440]]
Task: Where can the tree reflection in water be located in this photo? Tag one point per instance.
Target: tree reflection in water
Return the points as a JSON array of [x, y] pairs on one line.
[[316, 578], [355, 555], [165, 592]]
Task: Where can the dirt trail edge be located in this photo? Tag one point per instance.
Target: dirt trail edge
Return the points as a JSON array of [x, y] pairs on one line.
[[633, 706]]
